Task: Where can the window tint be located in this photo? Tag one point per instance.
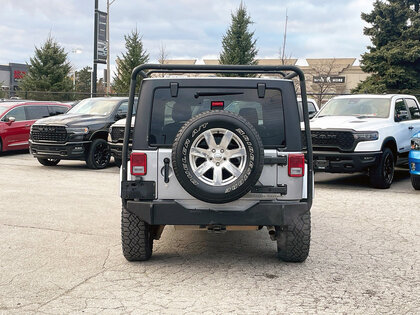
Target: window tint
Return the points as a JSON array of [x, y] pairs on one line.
[[36, 112], [413, 108], [401, 112], [170, 113], [123, 109], [18, 113], [57, 110]]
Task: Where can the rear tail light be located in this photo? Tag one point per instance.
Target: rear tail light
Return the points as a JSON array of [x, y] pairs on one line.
[[296, 165], [138, 163]]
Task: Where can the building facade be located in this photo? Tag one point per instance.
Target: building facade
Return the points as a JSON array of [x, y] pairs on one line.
[[11, 74]]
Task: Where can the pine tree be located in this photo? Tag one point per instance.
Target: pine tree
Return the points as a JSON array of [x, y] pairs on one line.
[[83, 80], [393, 59], [134, 56], [239, 46], [48, 71]]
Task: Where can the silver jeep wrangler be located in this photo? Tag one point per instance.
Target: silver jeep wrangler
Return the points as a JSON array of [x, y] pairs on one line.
[[217, 153]]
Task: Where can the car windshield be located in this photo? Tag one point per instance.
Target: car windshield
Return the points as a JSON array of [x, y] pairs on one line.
[[3, 109], [358, 107], [93, 106]]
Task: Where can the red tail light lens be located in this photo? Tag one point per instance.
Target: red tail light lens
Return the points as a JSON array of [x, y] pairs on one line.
[[296, 165], [138, 163]]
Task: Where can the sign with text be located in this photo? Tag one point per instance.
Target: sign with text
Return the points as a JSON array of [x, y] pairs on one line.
[[101, 43], [329, 79]]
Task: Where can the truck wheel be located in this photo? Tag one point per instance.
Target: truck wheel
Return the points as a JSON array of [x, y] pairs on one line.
[[217, 156], [381, 175], [136, 237], [415, 181], [118, 162], [99, 154], [293, 240], [48, 162]]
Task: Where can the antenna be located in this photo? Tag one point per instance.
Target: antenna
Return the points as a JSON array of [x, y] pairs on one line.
[[283, 51]]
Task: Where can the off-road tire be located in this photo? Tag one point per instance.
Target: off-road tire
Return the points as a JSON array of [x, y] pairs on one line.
[[48, 162], [136, 237], [245, 178], [382, 174], [293, 240], [415, 181], [98, 155]]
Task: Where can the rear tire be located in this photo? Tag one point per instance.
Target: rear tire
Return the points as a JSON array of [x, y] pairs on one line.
[[381, 176], [293, 240], [99, 154], [415, 181], [136, 237], [48, 162]]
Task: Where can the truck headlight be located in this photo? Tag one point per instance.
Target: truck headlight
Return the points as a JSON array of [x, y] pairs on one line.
[[415, 144], [366, 135], [78, 131]]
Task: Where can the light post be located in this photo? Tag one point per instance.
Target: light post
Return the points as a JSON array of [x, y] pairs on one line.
[[91, 82], [108, 70], [76, 51]]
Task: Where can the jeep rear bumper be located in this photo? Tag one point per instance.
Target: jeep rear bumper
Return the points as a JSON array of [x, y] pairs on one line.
[[67, 151], [337, 162], [171, 213]]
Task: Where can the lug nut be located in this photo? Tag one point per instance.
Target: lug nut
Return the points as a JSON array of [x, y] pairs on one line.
[[214, 150], [221, 150], [217, 164]]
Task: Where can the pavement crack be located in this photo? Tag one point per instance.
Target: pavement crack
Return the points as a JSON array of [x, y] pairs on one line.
[[48, 229]]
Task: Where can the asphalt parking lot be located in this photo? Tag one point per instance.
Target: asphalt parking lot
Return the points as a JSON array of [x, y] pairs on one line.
[[60, 252]]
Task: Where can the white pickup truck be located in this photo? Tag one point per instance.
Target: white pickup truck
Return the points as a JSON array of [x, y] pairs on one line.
[[359, 133]]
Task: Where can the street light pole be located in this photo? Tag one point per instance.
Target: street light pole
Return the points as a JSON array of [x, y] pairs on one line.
[[95, 50], [108, 53]]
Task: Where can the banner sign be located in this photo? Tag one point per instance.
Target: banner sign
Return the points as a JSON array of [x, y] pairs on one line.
[[329, 79], [101, 43]]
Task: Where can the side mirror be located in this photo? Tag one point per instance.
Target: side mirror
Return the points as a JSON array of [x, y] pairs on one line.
[[120, 115], [311, 115], [11, 119]]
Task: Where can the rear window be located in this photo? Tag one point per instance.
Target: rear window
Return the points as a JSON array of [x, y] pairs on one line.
[[170, 113], [37, 112]]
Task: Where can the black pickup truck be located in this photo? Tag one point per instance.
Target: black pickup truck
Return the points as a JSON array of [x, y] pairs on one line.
[[80, 134]]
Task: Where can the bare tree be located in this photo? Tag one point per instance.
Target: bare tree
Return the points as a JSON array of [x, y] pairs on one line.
[[322, 79], [163, 56]]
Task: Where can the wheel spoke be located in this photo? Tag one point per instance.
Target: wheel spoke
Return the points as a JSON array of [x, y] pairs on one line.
[[224, 143], [202, 168], [209, 139], [232, 169], [203, 153], [241, 152], [217, 176]]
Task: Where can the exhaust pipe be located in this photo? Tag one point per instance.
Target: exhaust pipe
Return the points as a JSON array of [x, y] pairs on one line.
[[272, 232]]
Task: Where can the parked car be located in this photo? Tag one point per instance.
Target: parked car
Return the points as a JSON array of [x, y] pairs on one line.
[[17, 117], [365, 133], [313, 108], [116, 137], [414, 161], [80, 134], [217, 154]]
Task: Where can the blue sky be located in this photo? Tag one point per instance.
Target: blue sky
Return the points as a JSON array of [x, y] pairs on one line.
[[187, 28]]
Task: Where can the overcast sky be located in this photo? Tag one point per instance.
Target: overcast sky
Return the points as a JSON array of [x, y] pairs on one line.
[[189, 29]]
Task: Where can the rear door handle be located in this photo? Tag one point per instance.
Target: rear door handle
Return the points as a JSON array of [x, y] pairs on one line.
[[411, 127], [27, 125]]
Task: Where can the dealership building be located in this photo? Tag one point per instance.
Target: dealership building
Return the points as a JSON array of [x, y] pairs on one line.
[[11, 74]]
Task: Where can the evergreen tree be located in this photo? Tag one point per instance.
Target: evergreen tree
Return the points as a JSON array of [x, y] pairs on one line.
[[134, 56], [239, 46], [48, 71], [83, 80], [393, 59]]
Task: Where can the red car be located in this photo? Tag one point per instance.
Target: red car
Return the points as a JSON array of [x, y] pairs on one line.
[[16, 119]]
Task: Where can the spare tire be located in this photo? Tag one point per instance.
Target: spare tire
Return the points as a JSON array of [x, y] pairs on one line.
[[217, 156]]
